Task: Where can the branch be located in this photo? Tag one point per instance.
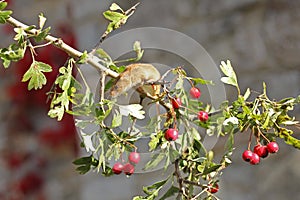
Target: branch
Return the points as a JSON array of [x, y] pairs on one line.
[[74, 53], [92, 60], [179, 179]]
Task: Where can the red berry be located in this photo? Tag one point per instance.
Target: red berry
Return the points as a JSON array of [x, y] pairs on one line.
[[134, 157], [213, 188], [255, 159], [176, 103], [171, 134], [117, 168], [203, 116], [273, 147], [195, 92], [128, 169], [247, 155], [261, 151]]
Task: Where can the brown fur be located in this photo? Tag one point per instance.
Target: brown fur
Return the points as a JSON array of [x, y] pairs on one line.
[[135, 75]]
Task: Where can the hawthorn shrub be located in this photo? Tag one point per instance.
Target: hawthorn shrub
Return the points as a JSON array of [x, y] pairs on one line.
[[174, 137]]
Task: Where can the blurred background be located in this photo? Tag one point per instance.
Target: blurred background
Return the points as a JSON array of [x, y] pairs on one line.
[[260, 37]]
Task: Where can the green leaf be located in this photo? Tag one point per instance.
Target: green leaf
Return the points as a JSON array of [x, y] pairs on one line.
[[297, 100], [102, 54], [88, 141], [114, 16], [83, 58], [14, 52], [153, 142], [153, 189], [6, 63], [229, 142], [118, 69], [57, 111], [83, 169], [264, 88], [4, 14], [138, 50], [156, 159], [35, 75], [85, 164], [80, 123], [115, 7], [179, 84], [20, 35], [83, 160], [174, 154], [200, 148], [201, 81], [117, 120], [229, 81], [109, 84], [195, 134], [61, 101], [41, 36], [230, 78], [42, 21], [135, 110], [227, 69], [117, 19], [138, 198], [247, 94], [3, 5], [290, 140], [208, 170], [170, 192]]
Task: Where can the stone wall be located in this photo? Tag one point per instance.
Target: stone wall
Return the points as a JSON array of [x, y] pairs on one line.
[[262, 40]]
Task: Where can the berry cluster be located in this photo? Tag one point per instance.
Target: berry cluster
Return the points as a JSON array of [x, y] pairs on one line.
[[171, 134], [260, 151], [127, 168]]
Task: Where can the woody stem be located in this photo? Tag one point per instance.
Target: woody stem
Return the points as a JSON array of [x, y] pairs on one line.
[[92, 60]]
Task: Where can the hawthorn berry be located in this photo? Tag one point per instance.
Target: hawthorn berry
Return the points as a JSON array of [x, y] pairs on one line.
[[171, 134], [255, 159], [261, 150], [128, 169], [134, 157], [117, 168], [273, 147], [195, 92], [247, 155], [176, 103], [203, 116], [213, 188]]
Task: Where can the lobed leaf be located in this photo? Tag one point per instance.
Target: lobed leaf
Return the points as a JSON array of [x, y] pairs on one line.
[[115, 7], [230, 78], [117, 120], [35, 75], [4, 14], [134, 110]]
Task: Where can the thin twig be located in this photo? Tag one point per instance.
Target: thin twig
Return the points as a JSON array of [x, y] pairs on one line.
[[179, 179], [92, 60], [199, 194], [128, 13]]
